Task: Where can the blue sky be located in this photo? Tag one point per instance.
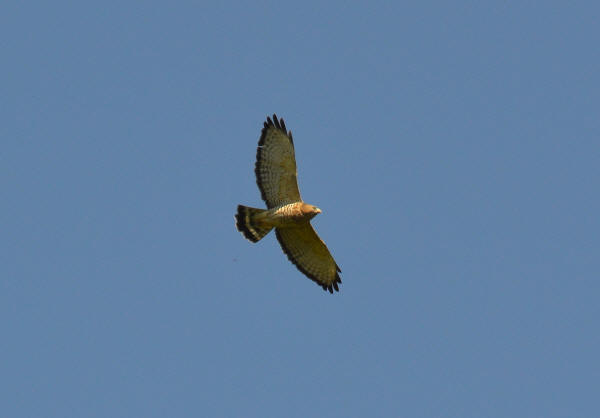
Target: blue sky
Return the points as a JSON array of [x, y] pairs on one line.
[[453, 148]]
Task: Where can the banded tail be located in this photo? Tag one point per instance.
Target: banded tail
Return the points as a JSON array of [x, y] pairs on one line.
[[245, 222]]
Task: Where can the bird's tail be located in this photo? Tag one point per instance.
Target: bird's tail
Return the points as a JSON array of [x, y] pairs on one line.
[[248, 225]]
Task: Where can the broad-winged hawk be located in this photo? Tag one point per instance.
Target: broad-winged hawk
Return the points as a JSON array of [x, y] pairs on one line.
[[276, 177]]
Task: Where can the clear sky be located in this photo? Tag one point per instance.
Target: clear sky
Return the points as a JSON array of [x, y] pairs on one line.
[[454, 148]]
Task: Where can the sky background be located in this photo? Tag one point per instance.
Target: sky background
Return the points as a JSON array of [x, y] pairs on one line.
[[454, 148]]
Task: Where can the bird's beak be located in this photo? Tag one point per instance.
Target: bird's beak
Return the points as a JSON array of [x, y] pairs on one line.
[[317, 210]]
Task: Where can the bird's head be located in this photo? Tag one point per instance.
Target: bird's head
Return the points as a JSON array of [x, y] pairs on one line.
[[310, 210]]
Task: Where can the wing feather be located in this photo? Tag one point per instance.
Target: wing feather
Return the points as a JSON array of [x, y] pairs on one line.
[[310, 255], [276, 173]]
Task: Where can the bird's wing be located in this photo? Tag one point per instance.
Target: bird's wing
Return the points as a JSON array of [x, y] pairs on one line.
[[275, 168], [309, 253]]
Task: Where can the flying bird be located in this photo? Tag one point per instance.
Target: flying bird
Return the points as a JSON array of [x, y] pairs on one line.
[[276, 177]]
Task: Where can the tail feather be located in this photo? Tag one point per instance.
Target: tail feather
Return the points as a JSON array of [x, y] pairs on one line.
[[246, 224]]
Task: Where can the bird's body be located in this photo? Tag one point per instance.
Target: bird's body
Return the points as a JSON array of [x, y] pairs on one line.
[[291, 214], [286, 212]]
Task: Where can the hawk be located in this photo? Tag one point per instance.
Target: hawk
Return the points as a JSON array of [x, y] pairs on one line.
[[276, 177]]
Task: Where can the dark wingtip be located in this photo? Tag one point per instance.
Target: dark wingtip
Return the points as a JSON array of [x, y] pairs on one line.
[[276, 121], [279, 124], [331, 287]]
